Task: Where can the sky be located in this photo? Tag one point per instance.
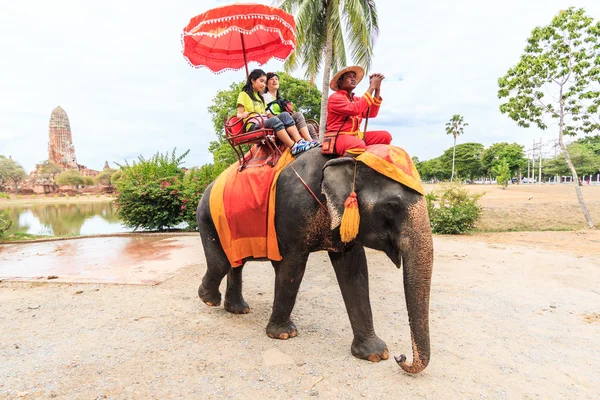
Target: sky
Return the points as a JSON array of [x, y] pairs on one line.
[[116, 68]]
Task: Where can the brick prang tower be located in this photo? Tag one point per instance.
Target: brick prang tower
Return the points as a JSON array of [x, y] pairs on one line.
[[60, 146]]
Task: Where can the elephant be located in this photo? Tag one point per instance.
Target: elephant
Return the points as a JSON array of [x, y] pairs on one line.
[[393, 219]]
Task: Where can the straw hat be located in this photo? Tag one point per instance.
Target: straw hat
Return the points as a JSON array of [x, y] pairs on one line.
[[358, 70]]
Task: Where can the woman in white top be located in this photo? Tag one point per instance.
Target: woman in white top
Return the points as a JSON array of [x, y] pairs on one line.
[[274, 103]]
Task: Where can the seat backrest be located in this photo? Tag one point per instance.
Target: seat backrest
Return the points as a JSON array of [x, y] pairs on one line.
[[234, 126]]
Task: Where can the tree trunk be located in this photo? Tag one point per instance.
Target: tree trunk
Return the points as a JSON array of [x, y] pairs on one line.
[[325, 86], [586, 213], [453, 155]]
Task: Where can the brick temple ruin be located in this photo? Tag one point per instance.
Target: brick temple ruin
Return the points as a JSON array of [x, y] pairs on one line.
[[60, 145], [61, 150]]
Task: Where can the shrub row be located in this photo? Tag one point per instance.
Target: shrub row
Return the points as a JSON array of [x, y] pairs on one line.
[[158, 194]]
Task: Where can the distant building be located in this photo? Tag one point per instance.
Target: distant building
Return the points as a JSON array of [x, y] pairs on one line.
[[61, 150], [60, 146]]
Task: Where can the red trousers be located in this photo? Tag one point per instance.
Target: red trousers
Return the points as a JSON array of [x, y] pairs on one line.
[[354, 145]]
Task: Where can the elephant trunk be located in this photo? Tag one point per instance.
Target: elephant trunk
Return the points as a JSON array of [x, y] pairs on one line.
[[417, 255]]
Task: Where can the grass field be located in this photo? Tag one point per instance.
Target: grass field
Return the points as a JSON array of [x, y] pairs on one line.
[[533, 207]]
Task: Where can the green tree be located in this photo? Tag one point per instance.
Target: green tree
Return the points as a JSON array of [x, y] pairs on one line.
[[466, 158], [592, 142], [300, 93], [11, 171], [497, 153], [322, 28], [104, 177], [48, 171], [88, 181], [502, 173], [418, 164], [70, 178], [433, 169], [455, 127], [585, 161], [558, 77]]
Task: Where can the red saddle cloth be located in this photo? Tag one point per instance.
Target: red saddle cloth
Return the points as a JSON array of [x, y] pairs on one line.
[[242, 206]]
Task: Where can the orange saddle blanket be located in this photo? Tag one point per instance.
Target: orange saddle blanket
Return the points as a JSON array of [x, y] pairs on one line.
[[393, 162], [242, 206]]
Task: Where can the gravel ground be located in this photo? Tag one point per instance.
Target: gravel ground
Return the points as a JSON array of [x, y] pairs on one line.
[[509, 319]]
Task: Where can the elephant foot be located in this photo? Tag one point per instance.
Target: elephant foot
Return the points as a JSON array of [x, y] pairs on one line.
[[211, 298], [372, 349], [282, 331], [236, 304]]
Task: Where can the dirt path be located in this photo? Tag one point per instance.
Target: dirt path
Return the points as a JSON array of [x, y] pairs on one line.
[[509, 319]]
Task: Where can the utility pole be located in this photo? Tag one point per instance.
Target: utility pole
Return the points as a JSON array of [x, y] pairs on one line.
[[536, 146], [540, 173], [533, 148]]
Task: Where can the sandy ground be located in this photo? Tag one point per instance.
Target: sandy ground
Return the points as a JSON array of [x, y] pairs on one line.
[[512, 316]]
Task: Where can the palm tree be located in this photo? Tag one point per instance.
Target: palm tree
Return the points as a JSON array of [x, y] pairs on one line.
[[455, 127], [321, 26]]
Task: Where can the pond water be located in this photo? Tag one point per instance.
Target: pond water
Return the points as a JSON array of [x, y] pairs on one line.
[[64, 219]]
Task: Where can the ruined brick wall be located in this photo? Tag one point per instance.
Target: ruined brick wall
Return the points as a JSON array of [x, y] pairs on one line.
[[60, 146]]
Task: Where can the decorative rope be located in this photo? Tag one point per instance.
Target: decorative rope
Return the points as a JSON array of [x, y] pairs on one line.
[[243, 16]]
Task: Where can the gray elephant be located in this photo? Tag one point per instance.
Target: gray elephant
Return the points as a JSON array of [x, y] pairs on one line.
[[393, 219]]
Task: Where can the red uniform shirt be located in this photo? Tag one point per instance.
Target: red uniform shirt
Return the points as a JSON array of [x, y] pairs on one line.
[[340, 106]]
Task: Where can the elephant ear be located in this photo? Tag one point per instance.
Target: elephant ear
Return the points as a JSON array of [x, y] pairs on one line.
[[338, 178]]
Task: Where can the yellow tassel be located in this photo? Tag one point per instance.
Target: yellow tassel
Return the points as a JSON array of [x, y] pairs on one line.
[[350, 219]]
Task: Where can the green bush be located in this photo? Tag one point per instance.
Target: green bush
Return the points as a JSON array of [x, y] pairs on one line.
[[5, 224], [4, 196], [157, 194], [193, 186], [453, 210]]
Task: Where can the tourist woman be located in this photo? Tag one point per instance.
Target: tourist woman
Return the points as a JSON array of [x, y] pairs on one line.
[[249, 100], [276, 104]]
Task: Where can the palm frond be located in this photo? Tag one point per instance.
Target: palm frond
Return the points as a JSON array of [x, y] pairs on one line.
[[338, 60], [310, 39], [360, 17]]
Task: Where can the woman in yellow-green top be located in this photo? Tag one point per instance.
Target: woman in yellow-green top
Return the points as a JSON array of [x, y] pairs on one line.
[[249, 100]]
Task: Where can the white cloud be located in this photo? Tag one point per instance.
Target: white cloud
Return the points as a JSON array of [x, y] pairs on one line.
[[117, 70]]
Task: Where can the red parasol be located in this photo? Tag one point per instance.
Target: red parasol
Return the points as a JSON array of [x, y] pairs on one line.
[[228, 37]]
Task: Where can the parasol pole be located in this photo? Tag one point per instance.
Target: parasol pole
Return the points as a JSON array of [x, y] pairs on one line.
[[244, 50]]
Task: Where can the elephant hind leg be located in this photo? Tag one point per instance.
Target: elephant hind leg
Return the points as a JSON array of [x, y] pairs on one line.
[[288, 276], [234, 300], [217, 266]]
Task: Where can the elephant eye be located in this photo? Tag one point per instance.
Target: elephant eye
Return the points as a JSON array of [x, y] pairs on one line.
[[392, 208]]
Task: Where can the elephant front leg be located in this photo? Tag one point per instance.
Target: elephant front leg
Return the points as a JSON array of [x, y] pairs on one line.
[[353, 277], [288, 276]]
